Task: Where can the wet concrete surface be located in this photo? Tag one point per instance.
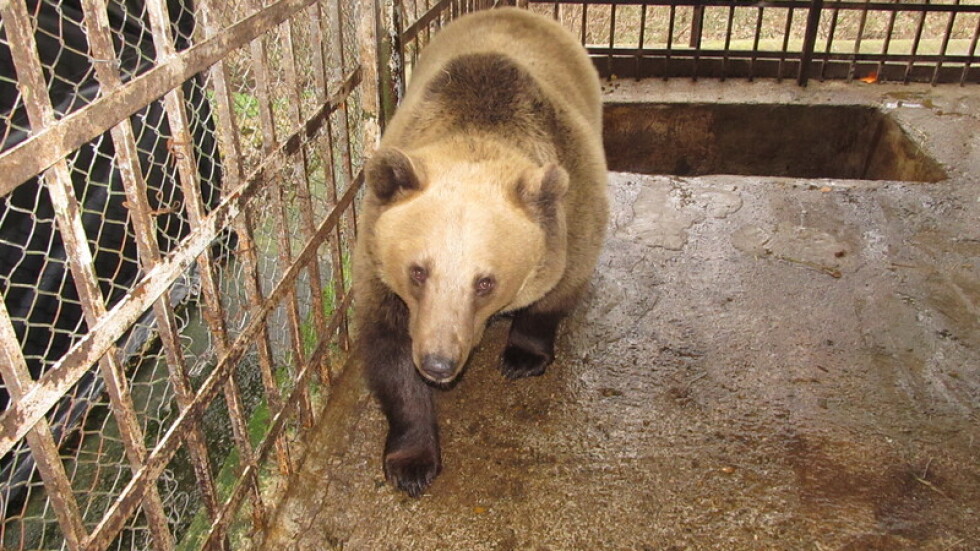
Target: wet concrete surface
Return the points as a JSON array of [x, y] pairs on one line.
[[762, 363]]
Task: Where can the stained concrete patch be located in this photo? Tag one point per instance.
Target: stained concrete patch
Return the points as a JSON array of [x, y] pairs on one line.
[[761, 364]]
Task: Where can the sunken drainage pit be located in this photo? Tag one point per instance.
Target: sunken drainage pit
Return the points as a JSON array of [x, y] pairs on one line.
[[851, 142]]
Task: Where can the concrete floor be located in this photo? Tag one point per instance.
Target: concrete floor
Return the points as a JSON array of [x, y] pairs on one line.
[[763, 363]]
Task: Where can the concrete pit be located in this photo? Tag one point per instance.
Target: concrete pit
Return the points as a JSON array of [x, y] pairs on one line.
[[764, 362]]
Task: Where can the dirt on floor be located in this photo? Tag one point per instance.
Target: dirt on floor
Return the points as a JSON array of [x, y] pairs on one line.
[[762, 363]]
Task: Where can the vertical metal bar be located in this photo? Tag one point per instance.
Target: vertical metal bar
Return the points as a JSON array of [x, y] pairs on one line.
[[755, 42], [17, 379], [585, 9], [886, 45], [612, 39], [697, 27], [785, 48], [397, 48], [301, 164], [728, 40], [945, 45], [233, 175], [969, 57], [670, 39], [697, 24], [639, 42], [57, 180], [809, 41], [346, 156], [100, 44], [915, 43], [857, 40], [335, 58], [190, 185], [834, 13], [269, 140]]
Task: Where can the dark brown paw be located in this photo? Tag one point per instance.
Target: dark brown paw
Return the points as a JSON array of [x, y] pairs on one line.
[[412, 470], [517, 363]]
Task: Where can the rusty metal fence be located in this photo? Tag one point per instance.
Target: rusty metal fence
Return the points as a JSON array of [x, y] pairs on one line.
[[177, 181], [897, 41]]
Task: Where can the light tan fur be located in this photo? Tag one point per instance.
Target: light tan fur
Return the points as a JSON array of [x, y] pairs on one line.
[[466, 217]]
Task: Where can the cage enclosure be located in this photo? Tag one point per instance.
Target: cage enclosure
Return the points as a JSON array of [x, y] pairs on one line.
[[178, 204]]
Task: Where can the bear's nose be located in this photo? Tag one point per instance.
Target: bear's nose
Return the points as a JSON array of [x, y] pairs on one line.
[[437, 367]]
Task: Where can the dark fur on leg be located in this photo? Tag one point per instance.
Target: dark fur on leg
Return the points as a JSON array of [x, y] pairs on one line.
[[412, 457], [531, 344]]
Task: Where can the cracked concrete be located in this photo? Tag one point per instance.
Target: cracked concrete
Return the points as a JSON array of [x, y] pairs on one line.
[[762, 363]]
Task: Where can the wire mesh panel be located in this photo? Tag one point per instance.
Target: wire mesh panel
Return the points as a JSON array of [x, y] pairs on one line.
[[176, 214]]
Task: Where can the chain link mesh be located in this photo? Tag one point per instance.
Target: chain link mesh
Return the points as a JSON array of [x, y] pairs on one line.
[[162, 374]]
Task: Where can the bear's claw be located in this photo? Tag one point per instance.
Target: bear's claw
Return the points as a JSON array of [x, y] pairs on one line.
[[412, 471], [517, 363]]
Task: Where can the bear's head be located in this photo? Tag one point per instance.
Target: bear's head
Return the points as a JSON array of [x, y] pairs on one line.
[[460, 238]]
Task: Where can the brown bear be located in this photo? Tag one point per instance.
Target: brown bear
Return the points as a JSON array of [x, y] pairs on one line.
[[487, 195]]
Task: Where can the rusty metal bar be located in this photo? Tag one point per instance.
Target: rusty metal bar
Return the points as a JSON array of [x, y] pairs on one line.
[[304, 193], [945, 45], [233, 175], [267, 118], [785, 49], [190, 184], [809, 41], [639, 41], [100, 44], [370, 141], [973, 50], [327, 144], [47, 145], [164, 451], [37, 400], [755, 42], [612, 34], [830, 39], [728, 39], [670, 38], [857, 41], [16, 377], [888, 39], [915, 44]]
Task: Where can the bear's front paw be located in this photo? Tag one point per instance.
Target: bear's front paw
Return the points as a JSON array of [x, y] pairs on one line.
[[517, 362], [412, 469]]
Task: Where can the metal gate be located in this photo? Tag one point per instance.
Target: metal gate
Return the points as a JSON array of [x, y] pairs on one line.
[[175, 227]]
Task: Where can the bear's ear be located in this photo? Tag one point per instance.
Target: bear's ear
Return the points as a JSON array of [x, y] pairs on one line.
[[542, 189], [389, 172]]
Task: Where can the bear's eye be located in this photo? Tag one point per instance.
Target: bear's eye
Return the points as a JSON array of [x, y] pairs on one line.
[[485, 285], [418, 274]]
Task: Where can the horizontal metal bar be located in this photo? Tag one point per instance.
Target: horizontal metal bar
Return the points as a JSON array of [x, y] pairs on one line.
[[779, 4], [30, 157], [688, 66], [660, 53], [45, 393], [134, 492]]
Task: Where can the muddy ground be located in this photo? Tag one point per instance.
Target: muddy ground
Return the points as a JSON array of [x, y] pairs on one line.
[[762, 363]]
